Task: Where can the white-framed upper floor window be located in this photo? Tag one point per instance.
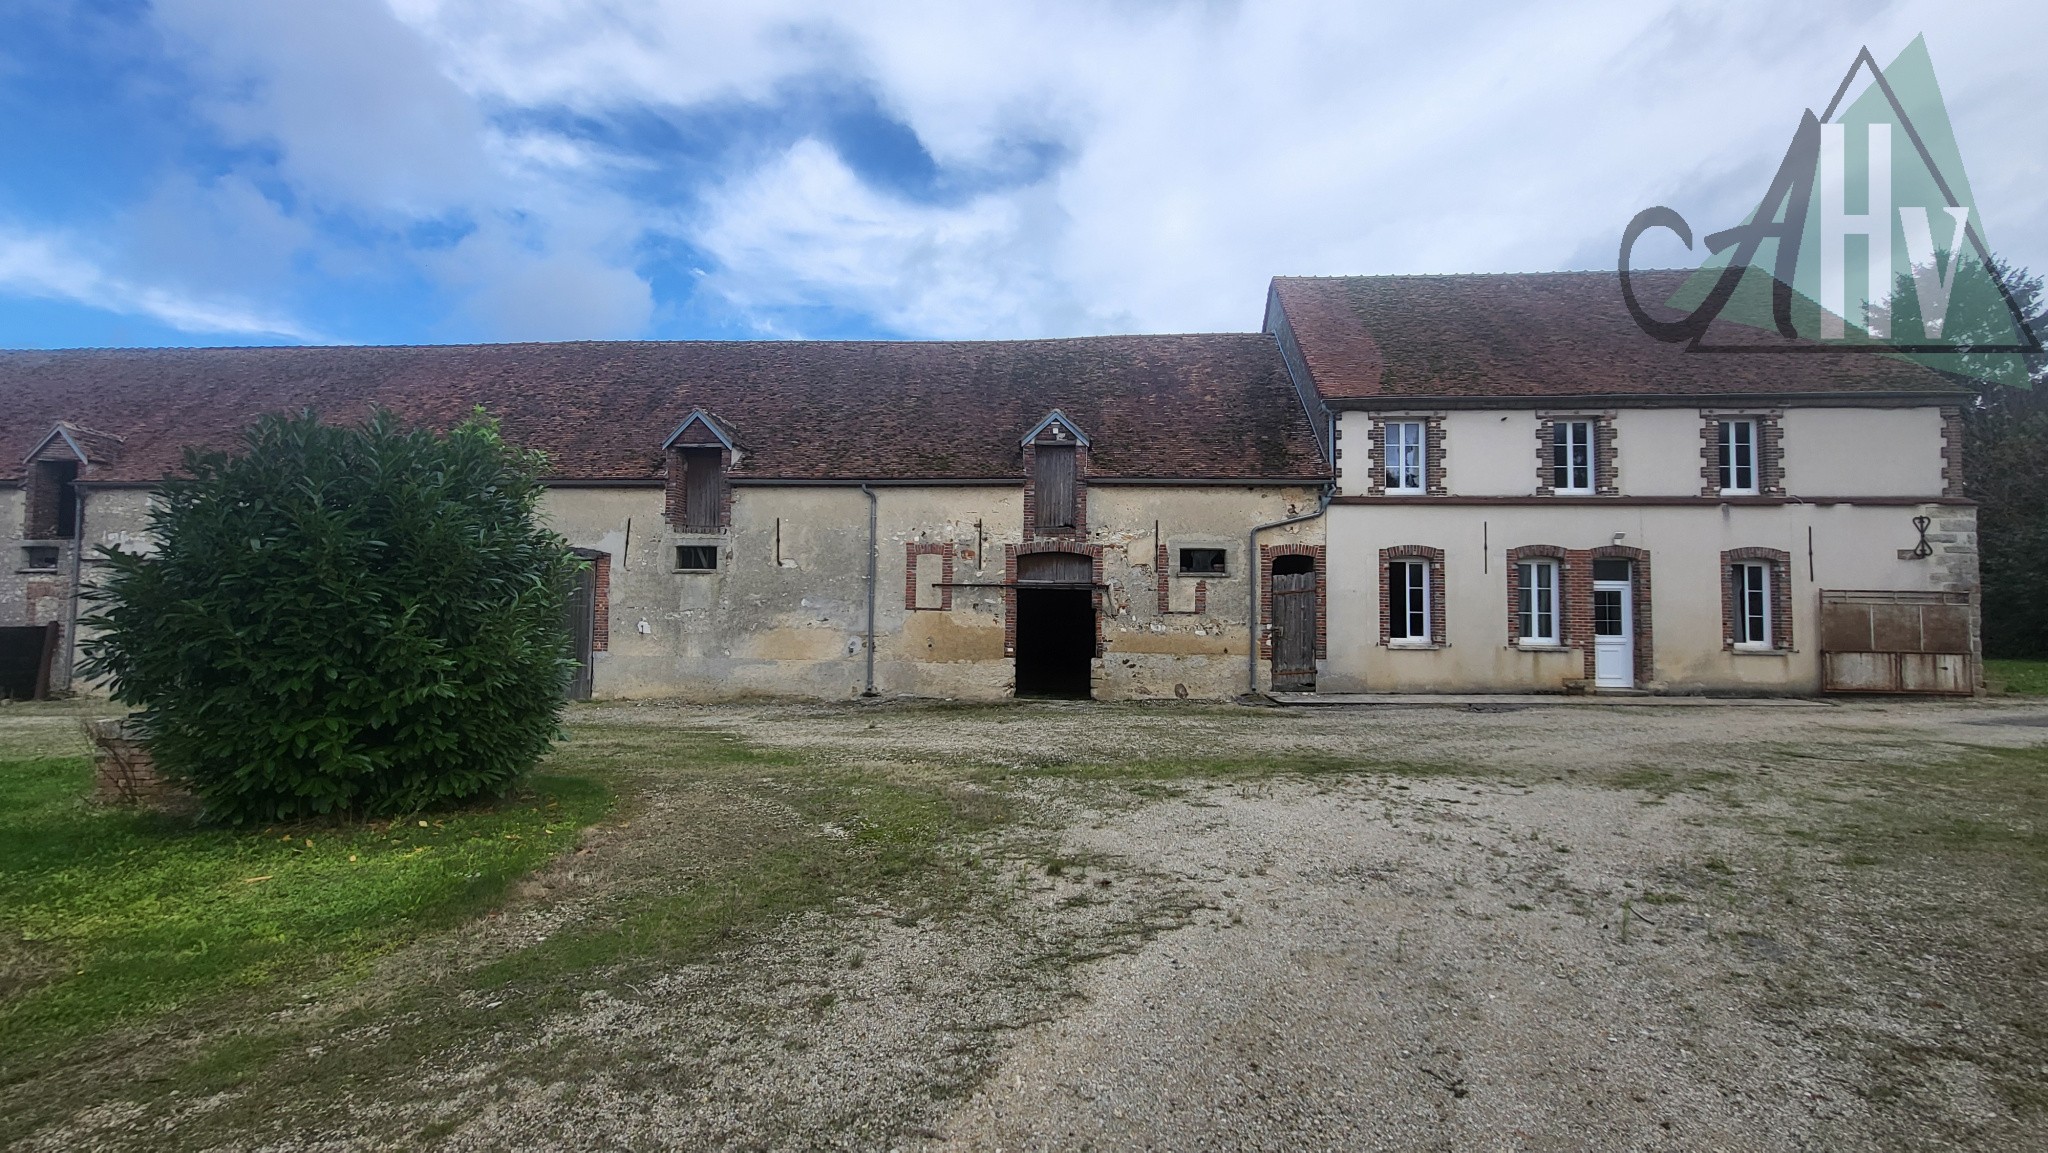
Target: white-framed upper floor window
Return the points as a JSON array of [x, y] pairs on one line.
[[1752, 605], [1406, 462], [1408, 602], [1738, 457], [1571, 456], [1536, 615]]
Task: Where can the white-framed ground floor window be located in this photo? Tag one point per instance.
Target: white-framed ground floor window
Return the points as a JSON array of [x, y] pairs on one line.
[[1411, 596], [1538, 617], [1752, 595], [1756, 606], [1408, 595]]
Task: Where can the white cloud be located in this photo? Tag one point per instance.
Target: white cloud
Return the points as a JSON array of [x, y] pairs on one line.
[[51, 267], [804, 232], [1202, 148], [1211, 146]]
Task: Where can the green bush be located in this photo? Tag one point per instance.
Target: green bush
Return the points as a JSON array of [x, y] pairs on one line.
[[342, 620]]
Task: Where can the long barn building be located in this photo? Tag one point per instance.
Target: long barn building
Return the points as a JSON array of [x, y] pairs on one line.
[[1445, 484]]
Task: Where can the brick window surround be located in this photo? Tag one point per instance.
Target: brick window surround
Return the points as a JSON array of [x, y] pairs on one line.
[[1432, 453], [1266, 554], [1514, 570], [1438, 635], [601, 603], [1031, 529], [1952, 452], [675, 512], [1781, 594], [1163, 577], [1575, 599], [1770, 452], [911, 552], [1010, 554], [1606, 478]]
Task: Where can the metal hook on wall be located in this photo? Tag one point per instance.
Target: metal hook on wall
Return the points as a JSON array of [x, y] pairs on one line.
[[1923, 550]]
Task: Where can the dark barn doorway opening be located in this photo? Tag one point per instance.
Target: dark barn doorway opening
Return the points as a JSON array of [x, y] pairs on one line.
[[1055, 625], [27, 659]]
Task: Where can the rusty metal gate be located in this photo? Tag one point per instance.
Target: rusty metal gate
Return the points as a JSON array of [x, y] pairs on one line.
[[1294, 632], [1895, 642]]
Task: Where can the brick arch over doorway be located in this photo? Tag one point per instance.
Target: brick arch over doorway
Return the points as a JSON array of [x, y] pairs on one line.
[[1317, 554]]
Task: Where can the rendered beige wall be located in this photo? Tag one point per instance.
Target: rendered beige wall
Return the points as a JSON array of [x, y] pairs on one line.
[[797, 628], [1863, 451], [1854, 547], [1827, 451]]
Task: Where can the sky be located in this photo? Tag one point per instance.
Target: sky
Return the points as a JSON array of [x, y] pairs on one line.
[[232, 172]]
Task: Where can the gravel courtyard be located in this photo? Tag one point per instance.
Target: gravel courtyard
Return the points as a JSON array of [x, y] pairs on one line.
[[1747, 926]]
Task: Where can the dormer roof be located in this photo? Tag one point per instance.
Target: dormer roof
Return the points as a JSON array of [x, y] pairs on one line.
[[69, 441], [1056, 428], [699, 429]]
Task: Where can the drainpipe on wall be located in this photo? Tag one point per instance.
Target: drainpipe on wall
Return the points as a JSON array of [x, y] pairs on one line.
[[873, 544], [77, 570], [1253, 568]]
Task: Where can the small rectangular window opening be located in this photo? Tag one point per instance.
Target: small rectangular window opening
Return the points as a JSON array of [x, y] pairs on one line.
[[1752, 605], [1408, 601], [1738, 456], [696, 557], [1405, 457], [1536, 602], [1202, 561], [1571, 456], [41, 556]]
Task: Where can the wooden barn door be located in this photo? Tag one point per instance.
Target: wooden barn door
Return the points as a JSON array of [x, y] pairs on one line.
[[582, 613], [1294, 631]]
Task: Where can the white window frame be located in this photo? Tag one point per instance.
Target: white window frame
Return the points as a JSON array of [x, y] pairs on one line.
[[1179, 556], [1562, 442], [1416, 611], [1407, 458], [1752, 596], [1529, 611], [1732, 467]]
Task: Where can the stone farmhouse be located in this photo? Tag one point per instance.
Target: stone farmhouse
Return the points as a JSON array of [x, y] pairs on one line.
[[1403, 484]]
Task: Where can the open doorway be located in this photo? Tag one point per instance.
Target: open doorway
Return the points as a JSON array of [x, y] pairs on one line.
[[1055, 625]]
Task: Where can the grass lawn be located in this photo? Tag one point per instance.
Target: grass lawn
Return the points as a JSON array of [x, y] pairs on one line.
[[2026, 678], [112, 917]]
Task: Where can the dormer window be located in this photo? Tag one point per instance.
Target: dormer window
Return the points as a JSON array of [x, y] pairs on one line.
[[700, 452], [1055, 496], [52, 500]]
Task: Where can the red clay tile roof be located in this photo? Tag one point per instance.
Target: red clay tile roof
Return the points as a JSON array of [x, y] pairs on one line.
[[1195, 407], [1536, 335]]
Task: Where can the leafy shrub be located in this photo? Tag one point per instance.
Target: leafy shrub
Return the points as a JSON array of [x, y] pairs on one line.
[[342, 620]]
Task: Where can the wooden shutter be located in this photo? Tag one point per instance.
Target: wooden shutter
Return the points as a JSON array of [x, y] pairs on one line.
[[1054, 487], [703, 489]]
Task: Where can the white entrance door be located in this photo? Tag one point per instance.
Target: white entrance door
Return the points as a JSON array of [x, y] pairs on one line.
[[1614, 635]]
